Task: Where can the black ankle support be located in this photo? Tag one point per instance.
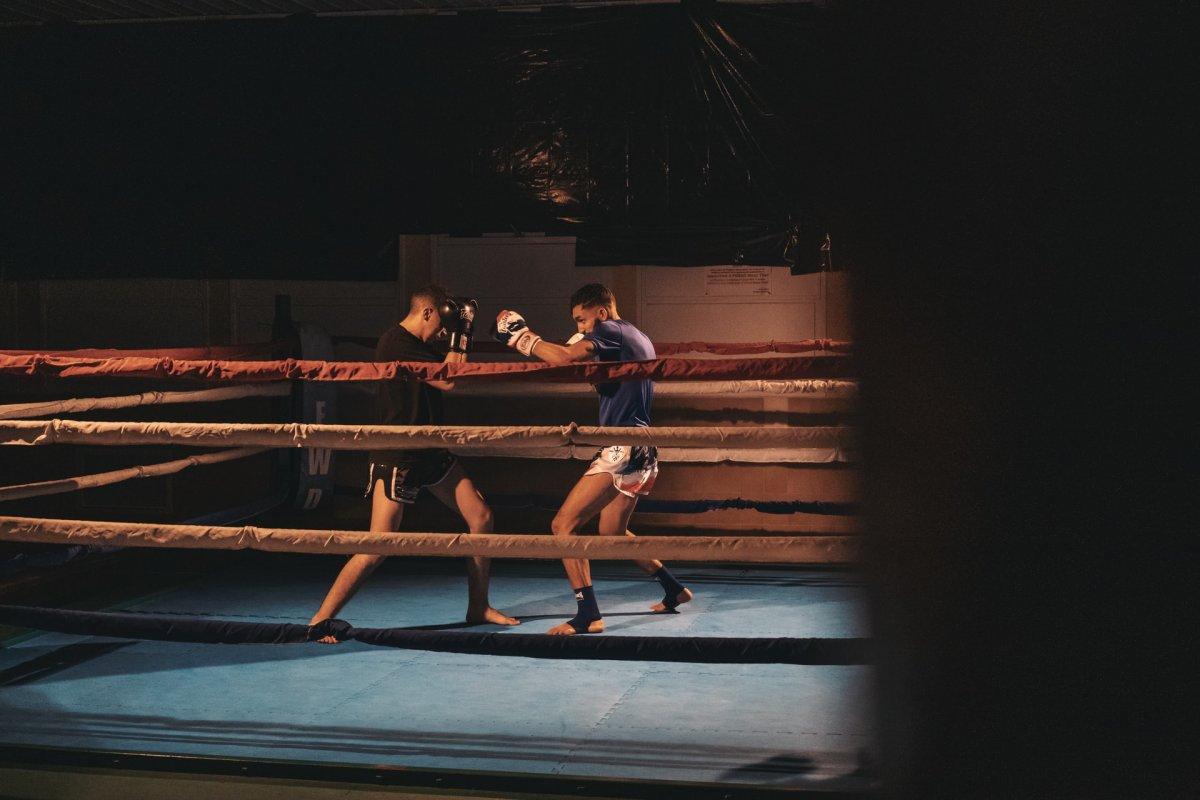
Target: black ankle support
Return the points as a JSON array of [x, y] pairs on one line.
[[670, 586], [587, 611]]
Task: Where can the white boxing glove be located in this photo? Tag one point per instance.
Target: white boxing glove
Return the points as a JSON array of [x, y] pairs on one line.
[[512, 330]]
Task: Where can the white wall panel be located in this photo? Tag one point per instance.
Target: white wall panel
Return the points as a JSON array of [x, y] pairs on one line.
[[534, 275], [681, 304], [671, 321], [690, 282]]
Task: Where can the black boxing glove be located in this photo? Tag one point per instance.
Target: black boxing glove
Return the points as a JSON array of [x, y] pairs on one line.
[[458, 318]]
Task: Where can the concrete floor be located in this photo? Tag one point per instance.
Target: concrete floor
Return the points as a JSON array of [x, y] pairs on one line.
[[356, 704]]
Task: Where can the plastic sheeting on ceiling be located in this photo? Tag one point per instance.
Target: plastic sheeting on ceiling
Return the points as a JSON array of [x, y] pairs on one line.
[[680, 134]]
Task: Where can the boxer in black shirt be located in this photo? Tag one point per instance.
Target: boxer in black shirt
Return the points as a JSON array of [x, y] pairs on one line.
[[396, 477]]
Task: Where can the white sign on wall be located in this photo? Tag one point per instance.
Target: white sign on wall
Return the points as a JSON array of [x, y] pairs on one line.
[[737, 281]]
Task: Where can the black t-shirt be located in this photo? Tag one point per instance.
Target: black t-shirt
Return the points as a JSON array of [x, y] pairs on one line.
[[405, 401]]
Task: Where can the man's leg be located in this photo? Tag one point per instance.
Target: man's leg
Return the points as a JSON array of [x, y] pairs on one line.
[[385, 518], [614, 521], [590, 494], [458, 493]]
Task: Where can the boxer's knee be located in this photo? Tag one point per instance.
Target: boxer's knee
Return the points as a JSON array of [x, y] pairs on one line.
[[481, 520], [563, 526]]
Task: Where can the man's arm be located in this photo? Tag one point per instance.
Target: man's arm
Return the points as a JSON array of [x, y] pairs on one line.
[[552, 353], [451, 358], [458, 317], [512, 331]]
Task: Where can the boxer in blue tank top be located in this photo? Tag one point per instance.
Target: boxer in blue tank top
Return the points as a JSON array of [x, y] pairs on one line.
[[618, 474]]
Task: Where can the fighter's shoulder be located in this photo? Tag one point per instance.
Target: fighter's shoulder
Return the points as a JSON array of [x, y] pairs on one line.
[[387, 340], [631, 331], [397, 344], [634, 329], [639, 344], [609, 328]]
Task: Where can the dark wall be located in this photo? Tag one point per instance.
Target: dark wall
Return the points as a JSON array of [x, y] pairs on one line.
[[1020, 326]]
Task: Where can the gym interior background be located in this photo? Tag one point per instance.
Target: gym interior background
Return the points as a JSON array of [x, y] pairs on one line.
[[980, 171]]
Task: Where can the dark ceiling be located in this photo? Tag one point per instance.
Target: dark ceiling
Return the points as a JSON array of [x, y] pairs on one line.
[[92, 12], [672, 133]]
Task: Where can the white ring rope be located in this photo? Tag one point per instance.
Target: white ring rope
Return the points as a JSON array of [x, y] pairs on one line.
[[41, 488], [399, 437], [809, 387], [676, 455], [741, 549], [82, 404]]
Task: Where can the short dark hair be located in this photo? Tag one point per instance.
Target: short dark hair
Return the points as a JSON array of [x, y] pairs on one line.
[[592, 295], [435, 293]]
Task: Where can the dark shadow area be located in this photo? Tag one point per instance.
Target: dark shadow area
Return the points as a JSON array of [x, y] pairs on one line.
[[57, 660], [787, 765], [169, 657], [1021, 283], [796, 770]]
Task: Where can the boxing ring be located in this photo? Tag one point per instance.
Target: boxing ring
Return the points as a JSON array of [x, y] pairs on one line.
[[762, 682]]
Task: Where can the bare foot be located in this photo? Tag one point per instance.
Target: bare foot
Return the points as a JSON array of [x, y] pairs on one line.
[[683, 597], [490, 616], [565, 629]]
